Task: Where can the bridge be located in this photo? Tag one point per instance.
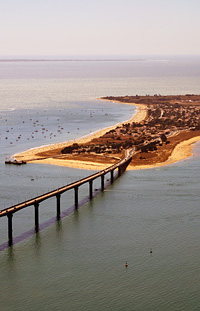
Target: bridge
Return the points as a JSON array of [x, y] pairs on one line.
[[120, 166]]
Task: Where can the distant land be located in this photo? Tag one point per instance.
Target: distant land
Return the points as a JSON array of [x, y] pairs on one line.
[[161, 124], [2, 60]]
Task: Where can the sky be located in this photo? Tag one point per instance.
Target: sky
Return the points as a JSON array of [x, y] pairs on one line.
[[99, 27]]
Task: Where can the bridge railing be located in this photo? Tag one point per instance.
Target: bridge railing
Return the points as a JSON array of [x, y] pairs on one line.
[[121, 166]]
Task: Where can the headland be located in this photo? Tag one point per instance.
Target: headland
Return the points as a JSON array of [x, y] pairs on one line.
[[162, 132]]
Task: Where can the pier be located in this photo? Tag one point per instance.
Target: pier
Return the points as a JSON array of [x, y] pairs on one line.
[[119, 166]]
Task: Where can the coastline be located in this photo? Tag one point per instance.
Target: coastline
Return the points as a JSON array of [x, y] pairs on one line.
[[182, 151], [32, 154]]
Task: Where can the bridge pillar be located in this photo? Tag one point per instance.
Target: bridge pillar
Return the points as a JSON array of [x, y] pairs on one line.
[[111, 176], [36, 204], [90, 189], [58, 205], [76, 197], [119, 171], [10, 237], [102, 182]]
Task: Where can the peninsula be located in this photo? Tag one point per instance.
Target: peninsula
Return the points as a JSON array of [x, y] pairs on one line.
[[162, 132]]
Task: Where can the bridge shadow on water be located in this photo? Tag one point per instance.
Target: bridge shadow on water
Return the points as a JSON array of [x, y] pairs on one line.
[[53, 220], [120, 166]]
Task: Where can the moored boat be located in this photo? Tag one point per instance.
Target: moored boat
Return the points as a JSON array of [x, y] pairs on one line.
[[15, 162]]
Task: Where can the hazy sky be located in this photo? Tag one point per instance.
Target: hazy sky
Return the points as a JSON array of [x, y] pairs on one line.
[[100, 27]]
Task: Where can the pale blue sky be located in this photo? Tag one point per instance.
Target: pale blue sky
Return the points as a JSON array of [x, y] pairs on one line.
[[99, 27]]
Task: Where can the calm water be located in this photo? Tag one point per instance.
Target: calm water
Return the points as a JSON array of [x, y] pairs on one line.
[[79, 263]]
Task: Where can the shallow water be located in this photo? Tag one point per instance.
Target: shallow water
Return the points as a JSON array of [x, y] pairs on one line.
[[79, 262]]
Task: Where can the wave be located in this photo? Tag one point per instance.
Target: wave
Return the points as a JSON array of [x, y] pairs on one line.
[[7, 109]]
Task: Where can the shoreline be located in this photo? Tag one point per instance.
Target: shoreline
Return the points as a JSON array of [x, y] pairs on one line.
[[182, 150], [31, 154]]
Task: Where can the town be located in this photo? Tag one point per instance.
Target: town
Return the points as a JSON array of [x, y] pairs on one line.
[[167, 116]]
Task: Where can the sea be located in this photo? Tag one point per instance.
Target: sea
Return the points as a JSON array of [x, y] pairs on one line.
[[147, 218]]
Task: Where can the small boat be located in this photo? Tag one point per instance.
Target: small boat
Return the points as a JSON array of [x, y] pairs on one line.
[[15, 162]]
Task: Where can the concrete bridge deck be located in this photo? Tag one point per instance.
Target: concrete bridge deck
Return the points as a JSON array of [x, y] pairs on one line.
[[121, 166]]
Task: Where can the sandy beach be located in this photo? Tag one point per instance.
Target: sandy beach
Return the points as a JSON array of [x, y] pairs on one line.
[[32, 154], [182, 151]]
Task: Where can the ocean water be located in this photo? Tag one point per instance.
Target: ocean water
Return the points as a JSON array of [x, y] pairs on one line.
[[79, 262]]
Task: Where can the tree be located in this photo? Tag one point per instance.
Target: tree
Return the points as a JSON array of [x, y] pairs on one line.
[[68, 149], [163, 137], [75, 146]]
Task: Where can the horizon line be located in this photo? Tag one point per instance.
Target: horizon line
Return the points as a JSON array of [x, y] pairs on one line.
[[91, 58], [68, 59]]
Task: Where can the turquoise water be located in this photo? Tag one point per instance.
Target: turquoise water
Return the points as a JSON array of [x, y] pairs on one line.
[[79, 263]]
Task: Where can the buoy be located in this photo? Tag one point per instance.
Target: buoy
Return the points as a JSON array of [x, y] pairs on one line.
[[126, 264], [151, 251]]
